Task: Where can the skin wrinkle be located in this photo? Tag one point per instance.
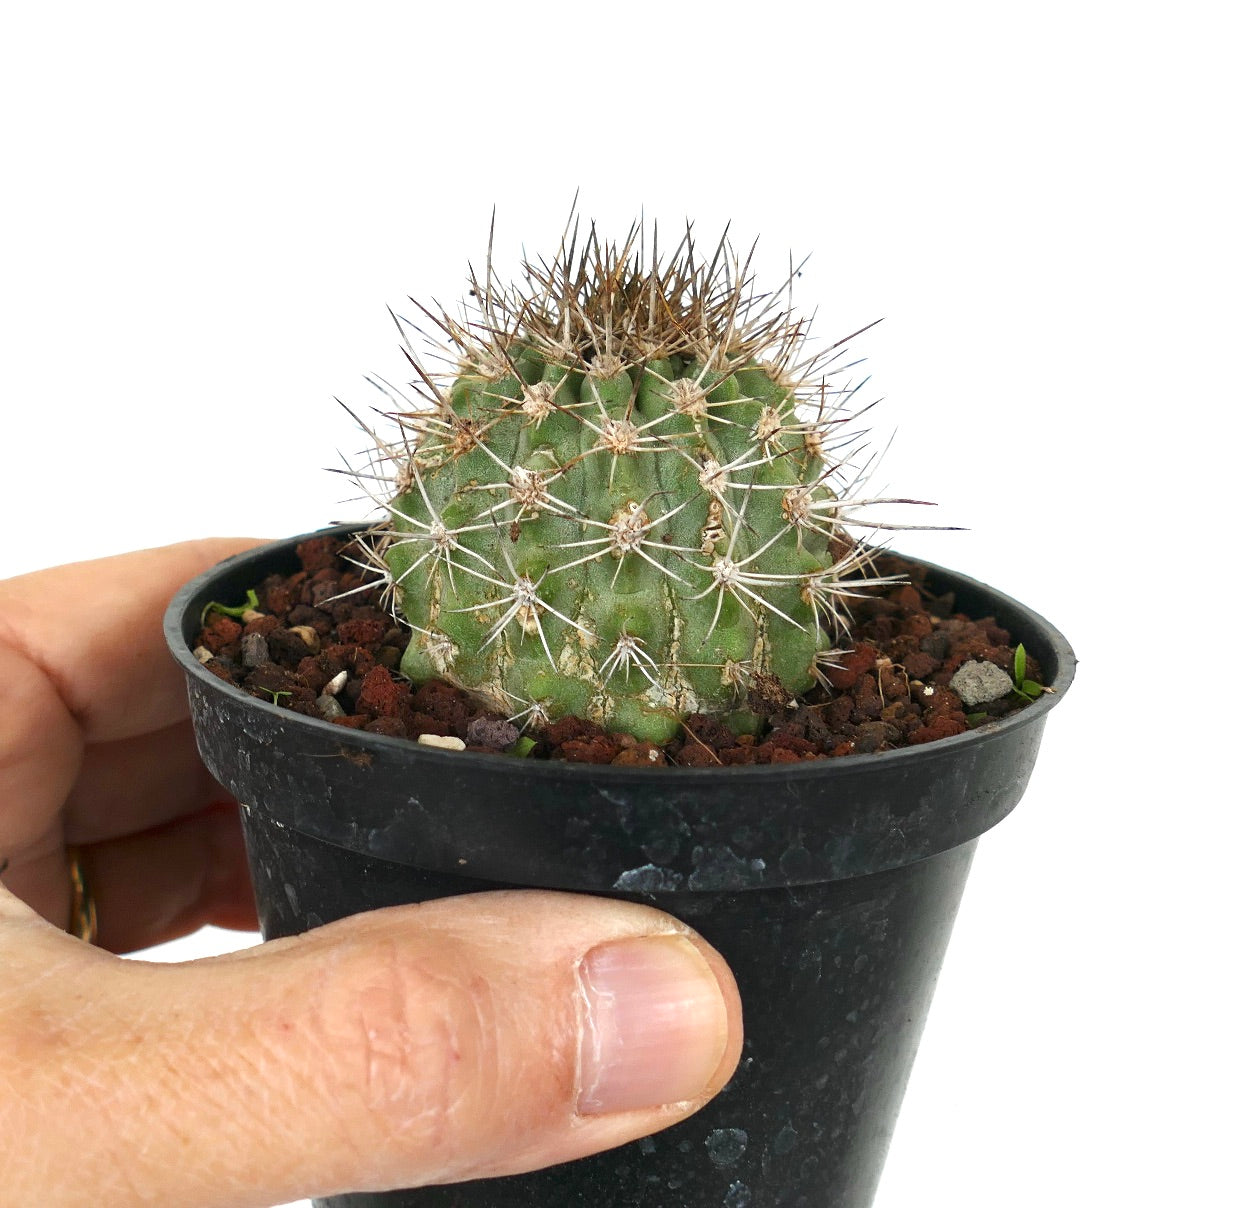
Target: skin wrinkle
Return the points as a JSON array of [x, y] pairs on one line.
[[85, 1070], [204, 1070], [385, 1036], [187, 1070], [274, 1088], [363, 1041], [499, 1091], [459, 1032], [400, 1047]]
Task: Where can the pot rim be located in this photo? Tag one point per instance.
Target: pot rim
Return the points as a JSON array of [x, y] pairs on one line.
[[185, 604]]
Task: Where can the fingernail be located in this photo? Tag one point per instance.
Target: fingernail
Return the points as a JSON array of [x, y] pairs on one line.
[[654, 1026]]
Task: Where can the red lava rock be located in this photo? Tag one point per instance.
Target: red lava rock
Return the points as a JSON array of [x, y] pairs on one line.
[[695, 755], [894, 682], [318, 553], [449, 706], [708, 731], [268, 681], [288, 648], [784, 755], [570, 729], [361, 632], [868, 702], [791, 742], [318, 669], [907, 598], [356, 659], [222, 670], [640, 755], [838, 712], [856, 662], [381, 695], [304, 614], [425, 723], [919, 665], [386, 725], [602, 748], [219, 632], [277, 595], [939, 727], [942, 702], [883, 629], [917, 626], [995, 633], [316, 594], [877, 736]]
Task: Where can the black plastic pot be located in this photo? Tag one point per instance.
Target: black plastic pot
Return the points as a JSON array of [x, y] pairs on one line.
[[829, 887]]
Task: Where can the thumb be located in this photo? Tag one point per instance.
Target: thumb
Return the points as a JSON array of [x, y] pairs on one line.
[[463, 1038]]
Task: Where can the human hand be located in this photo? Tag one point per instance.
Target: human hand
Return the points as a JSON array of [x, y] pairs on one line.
[[464, 1038]]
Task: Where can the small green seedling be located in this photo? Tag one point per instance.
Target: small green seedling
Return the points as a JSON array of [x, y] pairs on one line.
[[251, 603], [276, 694], [1028, 689], [523, 747]]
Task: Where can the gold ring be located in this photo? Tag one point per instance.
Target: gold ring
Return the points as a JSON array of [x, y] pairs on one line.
[[82, 920]]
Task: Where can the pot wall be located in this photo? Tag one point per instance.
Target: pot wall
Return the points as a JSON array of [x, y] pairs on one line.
[[836, 981]]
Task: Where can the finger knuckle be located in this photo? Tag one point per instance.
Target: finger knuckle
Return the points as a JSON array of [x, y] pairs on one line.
[[412, 1035]]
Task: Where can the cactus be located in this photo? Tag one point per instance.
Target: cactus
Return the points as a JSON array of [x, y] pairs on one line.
[[629, 496]]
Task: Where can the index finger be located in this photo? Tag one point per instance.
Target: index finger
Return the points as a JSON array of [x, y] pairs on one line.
[[94, 630]]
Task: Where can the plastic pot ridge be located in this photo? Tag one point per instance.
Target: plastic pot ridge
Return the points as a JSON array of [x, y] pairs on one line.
[[830, 887]]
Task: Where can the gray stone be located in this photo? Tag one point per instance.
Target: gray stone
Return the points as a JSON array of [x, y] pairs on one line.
[[977, 683], [255, 650]]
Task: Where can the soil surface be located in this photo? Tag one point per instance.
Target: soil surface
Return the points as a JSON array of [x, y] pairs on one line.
[[313, 648]]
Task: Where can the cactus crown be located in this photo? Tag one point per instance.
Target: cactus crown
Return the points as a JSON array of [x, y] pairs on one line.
[[626, 490]]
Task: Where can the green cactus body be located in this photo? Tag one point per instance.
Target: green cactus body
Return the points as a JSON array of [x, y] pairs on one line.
[[619, 507]]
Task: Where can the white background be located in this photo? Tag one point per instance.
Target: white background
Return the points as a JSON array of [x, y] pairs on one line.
[[207, 209]]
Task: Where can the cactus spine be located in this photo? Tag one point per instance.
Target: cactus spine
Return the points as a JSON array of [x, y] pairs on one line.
[[628, 496]]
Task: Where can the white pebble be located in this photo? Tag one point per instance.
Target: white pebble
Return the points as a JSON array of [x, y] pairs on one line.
[[447, 742], [336, 684], [203, 654]]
